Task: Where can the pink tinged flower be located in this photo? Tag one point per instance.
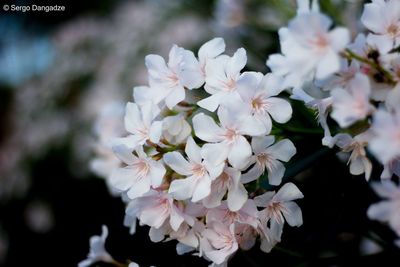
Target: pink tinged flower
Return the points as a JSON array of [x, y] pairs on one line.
[[222, 74], [352, 104], [155, 208], [385, 144], [139, 176], [309, 49], [247, 214], [259, 93], [227, 141], [219, 241], [199, 173], [210, 50], [169, 78], [383, 19], [228, 180], [278, 208], [358, 160], [269, 157], [388, 209], [97, 250], [139, 122]]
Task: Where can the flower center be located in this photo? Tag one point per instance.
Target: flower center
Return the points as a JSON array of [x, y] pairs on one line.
[[320, 42], [230, 85], [230, 135], [198, 170], [142, 167], [393, 30]]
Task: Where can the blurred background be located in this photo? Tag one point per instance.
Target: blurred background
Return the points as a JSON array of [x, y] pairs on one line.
[[64, 80]]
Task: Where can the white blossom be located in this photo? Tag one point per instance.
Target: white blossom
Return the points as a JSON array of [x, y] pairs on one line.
[[198, 171], [269, 156], [139, 176]]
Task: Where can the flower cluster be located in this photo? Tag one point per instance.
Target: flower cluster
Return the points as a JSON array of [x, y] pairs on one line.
[[355, 83], [192, 157]]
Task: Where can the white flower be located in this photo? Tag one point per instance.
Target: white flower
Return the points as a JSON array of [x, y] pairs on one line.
[[268, 156], [247, 214], [155, 208], [383, 19], [358, 160], [97, 250], [139, 121], [278, 207], [194, 71], [219, 241], [229, 180], [140, 175], [228, 139], [352, 104], [222, 74], [258, 92], [169, 78], [199, 173], [309, 49], [388, 209], [176, 129], [385, 144]]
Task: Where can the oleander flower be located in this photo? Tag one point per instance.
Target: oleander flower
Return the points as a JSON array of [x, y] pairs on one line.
[[279, 206], [269, 156], [139, 122], [140, 175], [259, 91], [199, 172]]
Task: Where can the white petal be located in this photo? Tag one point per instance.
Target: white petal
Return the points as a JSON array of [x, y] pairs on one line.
[[240, 153], [327, 65], [215, 153], [155, 131], [157, 173], [132, 118], [212, 102], [264, 199], [288, 192], [237, 196], [139, 188], [236, 63], [259, 144], [203, 188], [381, 211], [206, 128], [284, 150], [253, 174], [183, 188], [193, 151], [293, 215], [177, 95], [124, 154], [177, 162], [123, 178], [211, 49], [276, 170], [279, 109]]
